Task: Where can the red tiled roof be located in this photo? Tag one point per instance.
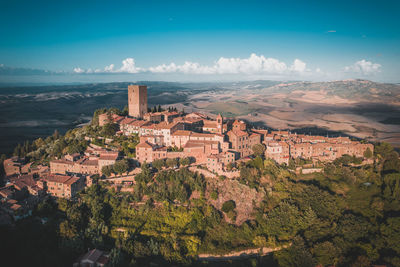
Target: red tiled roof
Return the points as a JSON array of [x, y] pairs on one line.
[[127, 121], [182, 133], [202, 135], [108, 157], [165, 125], [64, 179], [239, 132], [138, 123], [209, 124], [144, 145]]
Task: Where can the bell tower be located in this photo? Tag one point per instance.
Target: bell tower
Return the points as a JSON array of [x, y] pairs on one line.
[[220, 123]]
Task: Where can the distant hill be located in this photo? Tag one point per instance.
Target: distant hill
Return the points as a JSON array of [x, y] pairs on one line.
[[360, 90]]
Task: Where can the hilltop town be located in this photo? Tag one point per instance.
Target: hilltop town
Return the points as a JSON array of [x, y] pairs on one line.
[[218, 144], [218, 184]]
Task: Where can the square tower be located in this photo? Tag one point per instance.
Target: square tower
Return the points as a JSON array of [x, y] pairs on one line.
[[137, 100]]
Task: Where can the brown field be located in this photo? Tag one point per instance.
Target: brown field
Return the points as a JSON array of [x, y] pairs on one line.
[[304, 109]]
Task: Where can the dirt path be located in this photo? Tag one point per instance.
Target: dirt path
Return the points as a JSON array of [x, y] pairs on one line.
[[238, 254]]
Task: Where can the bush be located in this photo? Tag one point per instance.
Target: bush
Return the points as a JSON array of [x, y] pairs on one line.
[[228, 206], [158, 164], [214, 195], [171, 163], [258, 150], [184, 161]]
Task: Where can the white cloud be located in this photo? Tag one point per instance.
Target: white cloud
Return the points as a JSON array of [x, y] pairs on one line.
[[109, 68], [129, 66], [298, 66], [364, 67], [164, 68], [79, 70], [331, 31]]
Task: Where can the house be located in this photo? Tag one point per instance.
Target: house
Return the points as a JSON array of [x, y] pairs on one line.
[[13, 165], [93, 258], [63, 186]]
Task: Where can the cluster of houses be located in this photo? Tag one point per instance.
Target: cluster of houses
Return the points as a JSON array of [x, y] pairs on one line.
[[220, 142], [26, 185], [215, 143]]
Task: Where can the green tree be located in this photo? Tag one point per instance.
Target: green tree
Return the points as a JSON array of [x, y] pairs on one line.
[[392, 162], [171, 163], [158, 164], [368, 153], [121, 166], [326, 253], [258, 150], [184, 161], [110, 129], [107, 170], [297, 255]]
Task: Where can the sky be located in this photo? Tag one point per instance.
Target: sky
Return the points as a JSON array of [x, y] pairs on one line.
[[78, 41]]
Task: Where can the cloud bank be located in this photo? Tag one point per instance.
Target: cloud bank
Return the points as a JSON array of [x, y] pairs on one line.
[[252, 65], [255, 66], [364, 67]]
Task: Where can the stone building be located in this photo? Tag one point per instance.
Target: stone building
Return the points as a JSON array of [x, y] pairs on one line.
[[63, 186], [137, 100], [242, 142]]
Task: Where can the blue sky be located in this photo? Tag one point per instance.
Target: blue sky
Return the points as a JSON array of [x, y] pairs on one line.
[[200, 40]]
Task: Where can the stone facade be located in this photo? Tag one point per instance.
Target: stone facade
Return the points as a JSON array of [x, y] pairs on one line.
[[137, 100], [63, 186]]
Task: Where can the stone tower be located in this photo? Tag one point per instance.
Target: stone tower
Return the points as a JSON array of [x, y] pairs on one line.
[[137, 100], [220, 123]]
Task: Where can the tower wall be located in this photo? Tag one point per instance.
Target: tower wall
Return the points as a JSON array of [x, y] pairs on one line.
[[137, 100]]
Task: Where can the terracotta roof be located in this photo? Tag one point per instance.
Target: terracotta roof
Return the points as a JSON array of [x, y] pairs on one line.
[[90, 162], [144, 145], [64, 179], [63, 161], [127, 121], [192, 143], [71, 180], [202, 135], [182, 132], [138, 123], [15, 207], [199, 143], [165, 125], [108, 157], [254, 134], [239, 132], [170, 113], [238, 122], [209, 124], [6, 191]]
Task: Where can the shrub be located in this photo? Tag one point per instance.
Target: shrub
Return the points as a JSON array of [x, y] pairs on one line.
[[214, 195], [171, 163], [158, 164], [228, 206]]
